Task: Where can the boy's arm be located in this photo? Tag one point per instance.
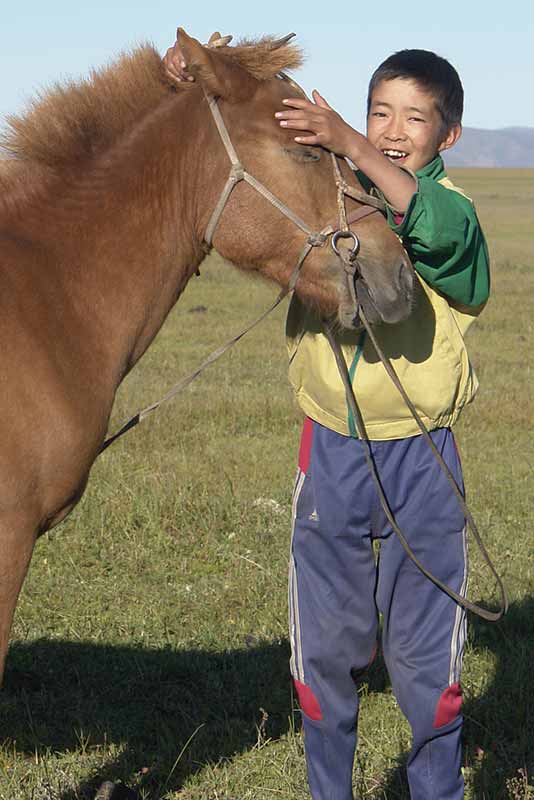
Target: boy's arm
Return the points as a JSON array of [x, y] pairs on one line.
[[444, 240], [329, 129]]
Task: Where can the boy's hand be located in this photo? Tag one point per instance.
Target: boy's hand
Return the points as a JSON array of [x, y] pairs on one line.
[[175, 65], [327, 128]]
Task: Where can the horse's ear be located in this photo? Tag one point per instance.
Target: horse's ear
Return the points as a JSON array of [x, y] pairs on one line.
[[218, 74]]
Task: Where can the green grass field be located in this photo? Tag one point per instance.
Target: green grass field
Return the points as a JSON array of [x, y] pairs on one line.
[[150, 641]]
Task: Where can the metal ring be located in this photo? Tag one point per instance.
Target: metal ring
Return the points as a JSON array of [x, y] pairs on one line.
[[345, 235]]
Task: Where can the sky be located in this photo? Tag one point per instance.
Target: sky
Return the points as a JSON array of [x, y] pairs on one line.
[[491, 45]]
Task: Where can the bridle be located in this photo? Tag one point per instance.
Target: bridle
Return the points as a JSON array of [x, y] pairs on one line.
[[337, 229]]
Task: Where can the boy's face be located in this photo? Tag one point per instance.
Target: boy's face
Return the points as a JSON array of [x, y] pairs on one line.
[[405, 125]]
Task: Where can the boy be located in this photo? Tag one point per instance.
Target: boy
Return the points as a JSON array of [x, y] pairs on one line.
[[415, 106], [336, 589]]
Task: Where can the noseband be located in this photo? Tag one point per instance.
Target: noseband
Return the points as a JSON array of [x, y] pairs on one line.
[[336, 229]]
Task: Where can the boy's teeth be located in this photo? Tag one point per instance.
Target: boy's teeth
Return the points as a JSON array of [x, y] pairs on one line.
[[394, 153]]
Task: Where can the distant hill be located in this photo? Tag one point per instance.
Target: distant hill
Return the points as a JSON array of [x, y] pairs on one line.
[[507, 147]]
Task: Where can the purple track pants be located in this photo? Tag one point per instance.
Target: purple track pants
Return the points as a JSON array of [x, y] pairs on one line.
[[337, 590]]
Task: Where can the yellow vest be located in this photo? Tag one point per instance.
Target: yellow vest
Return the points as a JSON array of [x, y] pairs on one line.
[[427, 351]]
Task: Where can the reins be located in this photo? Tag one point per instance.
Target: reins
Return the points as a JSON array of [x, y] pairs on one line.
[[340, 230]]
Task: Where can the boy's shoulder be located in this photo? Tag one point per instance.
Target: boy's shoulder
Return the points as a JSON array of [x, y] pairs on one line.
[[448, 184]]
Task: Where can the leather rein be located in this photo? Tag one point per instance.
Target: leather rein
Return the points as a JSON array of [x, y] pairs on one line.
[[369, 204]]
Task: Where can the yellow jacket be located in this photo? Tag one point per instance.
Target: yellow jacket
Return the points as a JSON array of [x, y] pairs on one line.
[[443, 238]]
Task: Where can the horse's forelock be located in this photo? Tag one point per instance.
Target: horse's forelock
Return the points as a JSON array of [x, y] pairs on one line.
[[262, 60]]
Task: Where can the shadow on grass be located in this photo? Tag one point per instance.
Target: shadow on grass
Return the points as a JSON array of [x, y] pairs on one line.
[[499, 723], [59, 694]]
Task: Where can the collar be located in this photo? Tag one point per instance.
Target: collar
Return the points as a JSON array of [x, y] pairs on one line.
[[434, 169]]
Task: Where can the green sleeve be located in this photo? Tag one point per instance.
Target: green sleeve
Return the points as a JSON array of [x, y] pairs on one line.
[[444, 240]]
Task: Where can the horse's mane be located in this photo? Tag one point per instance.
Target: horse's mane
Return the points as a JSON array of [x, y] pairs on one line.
[[71, 122]]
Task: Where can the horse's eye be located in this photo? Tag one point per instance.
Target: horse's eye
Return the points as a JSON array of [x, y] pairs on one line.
[[304, 154]]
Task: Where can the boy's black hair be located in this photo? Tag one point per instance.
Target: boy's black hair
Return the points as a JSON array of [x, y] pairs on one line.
[[433, 73]]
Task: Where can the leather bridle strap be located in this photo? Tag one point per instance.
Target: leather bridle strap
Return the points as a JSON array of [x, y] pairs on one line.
[[353, 216], [237, 174]]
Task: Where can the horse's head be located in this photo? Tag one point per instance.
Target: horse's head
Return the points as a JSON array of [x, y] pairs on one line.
[[252, 232]]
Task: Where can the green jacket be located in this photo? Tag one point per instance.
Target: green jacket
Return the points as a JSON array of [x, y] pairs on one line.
[[443, 238]]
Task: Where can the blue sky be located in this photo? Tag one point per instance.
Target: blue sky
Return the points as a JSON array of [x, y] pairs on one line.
[[490, 45]]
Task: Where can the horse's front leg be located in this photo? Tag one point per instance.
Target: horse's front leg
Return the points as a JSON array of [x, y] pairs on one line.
[[18, 533]]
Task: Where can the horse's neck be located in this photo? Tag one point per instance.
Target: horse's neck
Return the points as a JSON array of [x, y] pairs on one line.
[[134, 241]]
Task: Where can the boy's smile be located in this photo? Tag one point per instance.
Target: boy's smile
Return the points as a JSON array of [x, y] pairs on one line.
[[405, 124]]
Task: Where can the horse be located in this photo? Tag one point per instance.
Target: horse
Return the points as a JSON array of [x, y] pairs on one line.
[[107, 187]]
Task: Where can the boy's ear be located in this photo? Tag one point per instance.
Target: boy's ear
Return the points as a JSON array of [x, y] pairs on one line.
[[452, 136], [215, 71]]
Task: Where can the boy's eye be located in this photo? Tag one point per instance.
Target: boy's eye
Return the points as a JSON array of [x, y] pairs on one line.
[[378, 114], [416, 119]]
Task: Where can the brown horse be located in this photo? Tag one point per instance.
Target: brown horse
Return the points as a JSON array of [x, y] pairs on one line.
[[105, 199]]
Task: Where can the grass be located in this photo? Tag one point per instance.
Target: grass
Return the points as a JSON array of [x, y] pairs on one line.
[[150, 642]]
